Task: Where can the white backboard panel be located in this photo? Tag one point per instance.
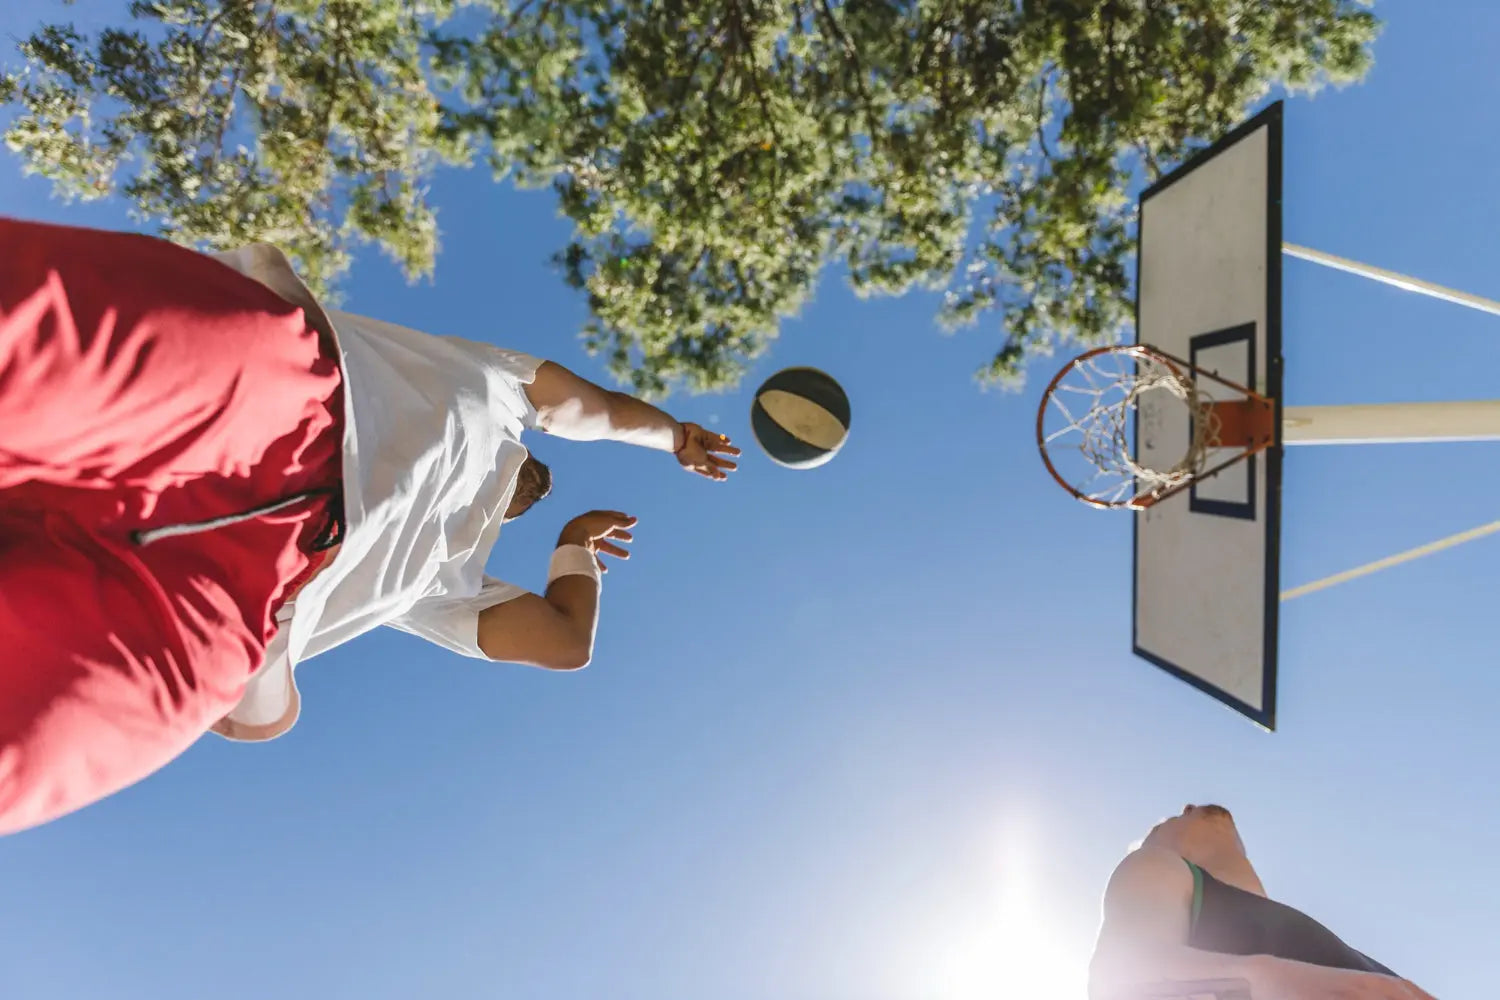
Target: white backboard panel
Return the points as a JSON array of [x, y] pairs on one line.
[[1207, 579]]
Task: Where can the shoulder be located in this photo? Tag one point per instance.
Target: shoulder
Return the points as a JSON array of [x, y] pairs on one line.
[[1149, 874], [1147, 907]]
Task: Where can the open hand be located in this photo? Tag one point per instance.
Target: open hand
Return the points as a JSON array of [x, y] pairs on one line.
[[705, 453], [602, 532]]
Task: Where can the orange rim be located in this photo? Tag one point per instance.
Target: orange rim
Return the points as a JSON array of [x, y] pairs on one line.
[[1252, 424]]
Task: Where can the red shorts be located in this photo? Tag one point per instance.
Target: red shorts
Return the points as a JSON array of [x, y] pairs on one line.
[[144, 386]]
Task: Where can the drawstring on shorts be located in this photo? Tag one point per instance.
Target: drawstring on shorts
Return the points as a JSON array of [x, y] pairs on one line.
[[331, 535]]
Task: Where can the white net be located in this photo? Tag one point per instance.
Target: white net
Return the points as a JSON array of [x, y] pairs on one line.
[[1088, 417]]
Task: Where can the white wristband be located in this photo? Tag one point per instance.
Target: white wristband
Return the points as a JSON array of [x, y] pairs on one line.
[[572, 560]]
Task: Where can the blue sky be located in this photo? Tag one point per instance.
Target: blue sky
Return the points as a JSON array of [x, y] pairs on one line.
[[870, 732]]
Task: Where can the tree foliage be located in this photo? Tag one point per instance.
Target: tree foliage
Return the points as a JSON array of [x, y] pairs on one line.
[[713, 155], [307, 123]]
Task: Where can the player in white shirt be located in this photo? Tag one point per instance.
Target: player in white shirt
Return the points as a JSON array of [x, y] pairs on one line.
[[206, 479]]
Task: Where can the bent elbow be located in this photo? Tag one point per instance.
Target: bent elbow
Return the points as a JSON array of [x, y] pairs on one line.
[[575, 656]]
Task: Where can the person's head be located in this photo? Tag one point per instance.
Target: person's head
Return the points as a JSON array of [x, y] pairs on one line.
[[1204, 835], [533, 483]]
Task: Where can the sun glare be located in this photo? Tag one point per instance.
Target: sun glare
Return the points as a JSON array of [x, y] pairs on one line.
[[1009, 947]]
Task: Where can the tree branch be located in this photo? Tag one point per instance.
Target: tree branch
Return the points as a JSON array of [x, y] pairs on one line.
[[266, 25], [1144, 148], [1041, 115], [515, 15], [760, 95], [681, 98], [199, 48], [852, 58], [228, 112]]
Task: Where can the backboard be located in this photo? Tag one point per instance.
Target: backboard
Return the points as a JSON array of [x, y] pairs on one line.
[[1206, 560]]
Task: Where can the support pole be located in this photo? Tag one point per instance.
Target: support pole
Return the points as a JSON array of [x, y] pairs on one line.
[[1401, 281], [1392, 423], [1462, 538]]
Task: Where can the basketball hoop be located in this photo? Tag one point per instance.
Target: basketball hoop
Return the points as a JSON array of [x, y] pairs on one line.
[[1088, 420]]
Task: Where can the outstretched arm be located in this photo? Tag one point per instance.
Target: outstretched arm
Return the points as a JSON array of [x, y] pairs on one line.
[[571, 407]]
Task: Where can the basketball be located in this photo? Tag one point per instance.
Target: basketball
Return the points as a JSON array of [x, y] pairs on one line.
[[800, 417]]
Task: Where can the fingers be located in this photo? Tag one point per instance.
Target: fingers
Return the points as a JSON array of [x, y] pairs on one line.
[[604, 523], [588, 529], [711, 466], [609, 524], [709, 472], [716, 443]]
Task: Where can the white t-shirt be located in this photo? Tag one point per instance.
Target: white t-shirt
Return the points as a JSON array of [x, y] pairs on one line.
[[432, 445]]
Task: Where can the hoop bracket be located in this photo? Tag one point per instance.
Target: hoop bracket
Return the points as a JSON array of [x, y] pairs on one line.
[[1246, 423]]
